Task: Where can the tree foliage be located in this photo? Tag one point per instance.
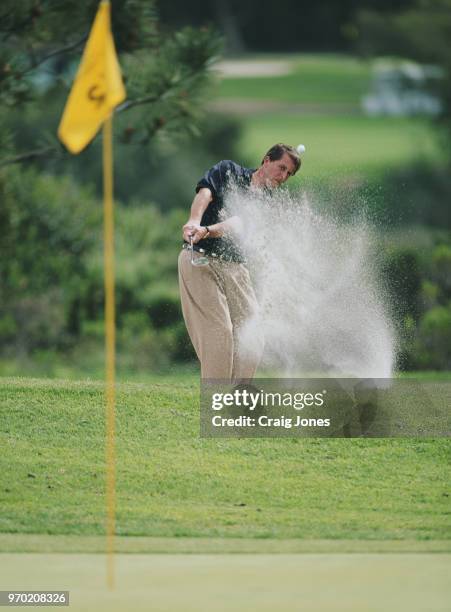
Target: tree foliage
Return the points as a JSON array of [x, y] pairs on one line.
[[51, 288], [421, 32], [287, 25], [48, 227], [165, 74]]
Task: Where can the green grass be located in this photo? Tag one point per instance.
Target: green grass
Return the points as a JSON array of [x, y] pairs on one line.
[[171, 483], [314, 79], [87, 362], [343, 147]]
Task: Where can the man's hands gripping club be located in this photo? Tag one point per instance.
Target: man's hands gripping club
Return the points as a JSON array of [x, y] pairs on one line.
[[193, 229]]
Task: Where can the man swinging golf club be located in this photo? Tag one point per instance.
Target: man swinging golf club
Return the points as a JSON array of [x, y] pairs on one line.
[[215, 288]]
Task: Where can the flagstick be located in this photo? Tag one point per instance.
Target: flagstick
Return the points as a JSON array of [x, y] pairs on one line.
[[109, 345]]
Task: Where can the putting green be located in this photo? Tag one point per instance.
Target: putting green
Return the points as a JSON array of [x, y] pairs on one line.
[[348, 582]]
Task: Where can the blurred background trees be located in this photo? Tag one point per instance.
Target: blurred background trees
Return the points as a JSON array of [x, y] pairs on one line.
[[422, 32], [169, 131], [50, 266], [269, 26]]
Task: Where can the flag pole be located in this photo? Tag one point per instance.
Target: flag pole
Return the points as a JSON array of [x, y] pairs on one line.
[[109, 346], [96, 91]]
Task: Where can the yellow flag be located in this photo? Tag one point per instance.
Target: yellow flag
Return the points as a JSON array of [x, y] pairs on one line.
[[97, 88]]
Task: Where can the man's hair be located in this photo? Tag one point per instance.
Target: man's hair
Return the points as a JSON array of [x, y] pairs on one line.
[[277, 151]]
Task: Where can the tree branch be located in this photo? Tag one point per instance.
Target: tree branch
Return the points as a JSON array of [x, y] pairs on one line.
[[43, 59], [136, 102], [17, 159]]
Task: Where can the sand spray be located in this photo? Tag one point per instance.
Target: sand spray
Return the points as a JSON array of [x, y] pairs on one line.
[[323, 310]]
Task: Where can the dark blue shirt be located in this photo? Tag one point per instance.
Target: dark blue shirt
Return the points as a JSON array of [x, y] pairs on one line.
[[219, 179]]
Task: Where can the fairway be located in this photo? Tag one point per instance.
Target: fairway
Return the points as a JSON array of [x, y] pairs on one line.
[[369, 582], [349, 148], [171, 483], [319, 79]]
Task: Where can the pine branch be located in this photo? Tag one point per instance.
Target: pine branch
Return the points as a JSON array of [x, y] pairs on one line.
[[60, 51], [30, 155], [137, 102]]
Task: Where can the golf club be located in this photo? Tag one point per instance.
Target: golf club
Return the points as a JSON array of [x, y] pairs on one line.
[[198, 261]]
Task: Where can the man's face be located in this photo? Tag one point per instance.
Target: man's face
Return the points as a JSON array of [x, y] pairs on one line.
[[278, 171]]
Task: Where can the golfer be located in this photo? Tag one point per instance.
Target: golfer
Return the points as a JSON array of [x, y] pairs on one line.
[[218, 298]]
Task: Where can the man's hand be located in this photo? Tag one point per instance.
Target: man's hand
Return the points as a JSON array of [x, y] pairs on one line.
[[194, 230]]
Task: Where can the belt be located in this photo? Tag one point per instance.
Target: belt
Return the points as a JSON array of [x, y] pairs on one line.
[[221, 257], [197, 248]]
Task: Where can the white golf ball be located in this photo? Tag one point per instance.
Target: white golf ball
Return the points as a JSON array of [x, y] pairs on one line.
[[300, 149]]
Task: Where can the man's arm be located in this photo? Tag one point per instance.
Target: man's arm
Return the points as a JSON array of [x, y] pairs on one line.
[[192, 227]]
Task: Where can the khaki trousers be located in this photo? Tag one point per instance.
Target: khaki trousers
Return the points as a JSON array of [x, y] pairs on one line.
[[217, 300]]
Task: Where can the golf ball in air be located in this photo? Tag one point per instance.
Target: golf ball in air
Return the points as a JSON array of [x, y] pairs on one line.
[[300, 149]]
